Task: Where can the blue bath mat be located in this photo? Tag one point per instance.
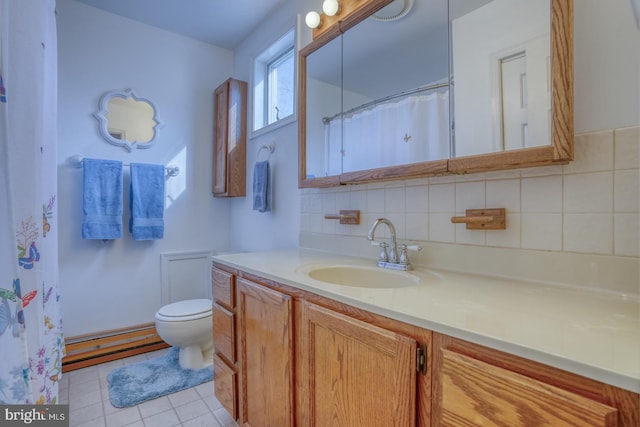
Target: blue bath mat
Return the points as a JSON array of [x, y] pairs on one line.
[[133, 384]]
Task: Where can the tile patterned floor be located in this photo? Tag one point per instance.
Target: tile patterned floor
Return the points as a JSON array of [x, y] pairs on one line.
[[86, 392]]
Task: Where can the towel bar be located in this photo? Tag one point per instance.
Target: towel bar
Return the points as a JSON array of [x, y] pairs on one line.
[[269, 147], [76, 161], [482, 219], [351, 217]]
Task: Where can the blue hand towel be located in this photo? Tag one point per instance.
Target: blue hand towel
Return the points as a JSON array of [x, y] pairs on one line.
[[147, 201], [102, 199], [262, 187]]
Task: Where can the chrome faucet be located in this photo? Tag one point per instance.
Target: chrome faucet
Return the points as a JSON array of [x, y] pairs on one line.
[[390, 259], [392, 256]]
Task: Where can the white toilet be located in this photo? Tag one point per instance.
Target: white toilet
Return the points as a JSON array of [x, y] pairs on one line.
[[187, 325]]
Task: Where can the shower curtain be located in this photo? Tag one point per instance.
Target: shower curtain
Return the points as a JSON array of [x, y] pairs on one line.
[[410, 130], [31, 340]]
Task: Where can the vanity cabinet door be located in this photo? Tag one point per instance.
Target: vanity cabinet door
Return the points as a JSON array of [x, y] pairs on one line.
[[478, 386], [225, 385], [476, 393], [265, 338], [230, 139], [352, 373]]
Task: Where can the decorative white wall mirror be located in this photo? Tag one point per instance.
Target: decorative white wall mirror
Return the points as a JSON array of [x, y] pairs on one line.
[[127, 120]]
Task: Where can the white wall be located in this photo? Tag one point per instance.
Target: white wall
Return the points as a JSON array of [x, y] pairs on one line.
[[117, 284], [251, 230], [606, 57]]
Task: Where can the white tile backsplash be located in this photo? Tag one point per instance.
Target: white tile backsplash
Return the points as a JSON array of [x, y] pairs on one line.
[[442, 198], [417, 199], [627, 148], [470, 195], [626, 190], [586, 232], [417, 226], [588, 192], [509, 237], [394, 198], [541, 231], [469, 237], [375, 200], [504, 193], [593, 152], [590, 205], [542, 194], [440, 227], [626, 234]]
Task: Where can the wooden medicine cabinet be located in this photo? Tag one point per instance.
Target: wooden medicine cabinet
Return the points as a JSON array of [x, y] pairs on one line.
[[230, 139], [365, 76]]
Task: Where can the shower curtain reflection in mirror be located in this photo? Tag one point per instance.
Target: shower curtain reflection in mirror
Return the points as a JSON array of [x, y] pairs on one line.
[[402, 130]]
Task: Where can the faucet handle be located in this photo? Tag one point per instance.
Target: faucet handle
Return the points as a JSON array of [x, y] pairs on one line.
[[404, 247], [404, 257], [384, 256]]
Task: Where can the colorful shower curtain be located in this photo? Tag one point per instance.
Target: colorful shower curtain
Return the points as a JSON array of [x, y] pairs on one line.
[[31, 342]]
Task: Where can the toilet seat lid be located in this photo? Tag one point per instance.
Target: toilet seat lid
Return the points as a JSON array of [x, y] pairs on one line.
[[190, 307]]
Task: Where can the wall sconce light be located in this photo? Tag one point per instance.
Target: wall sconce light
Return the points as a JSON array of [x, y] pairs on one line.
[[312, 19], [329, 8]]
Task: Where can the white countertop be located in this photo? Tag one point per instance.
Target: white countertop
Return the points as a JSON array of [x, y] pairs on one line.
[[593, 334]]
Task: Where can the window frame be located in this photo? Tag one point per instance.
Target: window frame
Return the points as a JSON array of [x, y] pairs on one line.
[[276, 50]]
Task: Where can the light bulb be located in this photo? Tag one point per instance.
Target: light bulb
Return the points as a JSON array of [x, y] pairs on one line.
[[312, 19], [330, 7]]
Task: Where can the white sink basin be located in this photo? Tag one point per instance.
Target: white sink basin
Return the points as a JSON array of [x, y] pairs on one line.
[[362, 276]]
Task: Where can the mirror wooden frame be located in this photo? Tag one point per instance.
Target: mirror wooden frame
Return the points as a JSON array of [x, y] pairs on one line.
[[560, 151]]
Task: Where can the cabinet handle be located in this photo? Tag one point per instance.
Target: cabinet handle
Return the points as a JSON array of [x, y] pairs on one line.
[[421, 358]]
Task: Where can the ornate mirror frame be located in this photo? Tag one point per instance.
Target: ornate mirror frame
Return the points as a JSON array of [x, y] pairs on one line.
[[103, 121]]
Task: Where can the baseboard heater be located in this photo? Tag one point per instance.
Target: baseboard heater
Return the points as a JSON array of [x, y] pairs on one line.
[[105, 346]]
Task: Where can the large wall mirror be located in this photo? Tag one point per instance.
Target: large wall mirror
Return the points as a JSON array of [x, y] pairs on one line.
[[452, 86]]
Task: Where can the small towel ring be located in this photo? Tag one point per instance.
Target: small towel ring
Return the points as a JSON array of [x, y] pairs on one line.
[[269, 147]]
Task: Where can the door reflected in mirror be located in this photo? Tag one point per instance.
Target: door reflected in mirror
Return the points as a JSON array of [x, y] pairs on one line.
[[501, 69], [127, 121]]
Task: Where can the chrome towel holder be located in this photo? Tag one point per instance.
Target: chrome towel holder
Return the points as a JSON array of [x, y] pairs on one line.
[[76, 162], [269, 147]]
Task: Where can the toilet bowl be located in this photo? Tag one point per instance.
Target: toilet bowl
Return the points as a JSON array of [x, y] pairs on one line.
[[187, 326]]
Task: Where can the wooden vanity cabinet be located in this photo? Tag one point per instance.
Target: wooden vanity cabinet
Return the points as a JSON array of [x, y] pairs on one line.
[[478, 386], [306, 360], [230, 139]]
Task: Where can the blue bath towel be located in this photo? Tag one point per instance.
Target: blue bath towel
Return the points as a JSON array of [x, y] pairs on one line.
[[262, 187], [147, 201], [102, 199]]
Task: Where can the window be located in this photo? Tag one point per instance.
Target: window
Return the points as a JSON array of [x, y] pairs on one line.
[[274, 85]]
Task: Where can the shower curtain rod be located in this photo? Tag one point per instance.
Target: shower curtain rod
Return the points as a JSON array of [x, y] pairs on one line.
[[76, 161], [326, 120]]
